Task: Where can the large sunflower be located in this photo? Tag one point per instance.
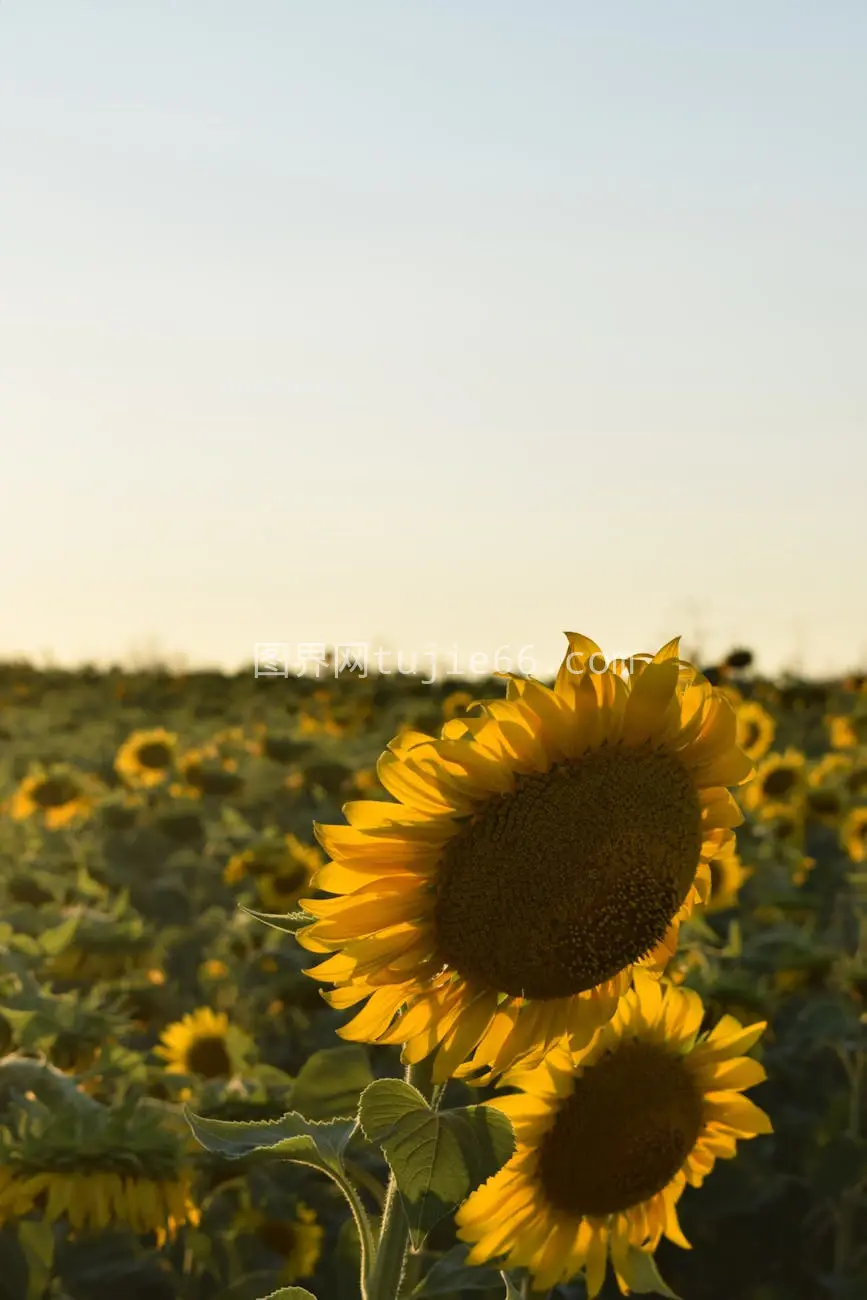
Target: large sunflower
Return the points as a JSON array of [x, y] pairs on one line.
[[146, 758], [204, 1043], [536, 853], [606, 1146]]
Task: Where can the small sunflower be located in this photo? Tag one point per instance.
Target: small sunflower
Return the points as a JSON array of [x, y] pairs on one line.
[[855, 779], [825, 793], [282, 870], [727, 874], [784, 822], [204, 1043], [537, 853], [756, 729], [605, 1147], [146, 758], [59, 796], [842, 731], [206, 771], [853, 834], [298, 1241], [104, 949], [779, 778]]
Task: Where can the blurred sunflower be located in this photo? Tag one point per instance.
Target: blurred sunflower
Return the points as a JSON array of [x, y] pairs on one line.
[[204, 1043], [146, 758], [853, 834], [297, 1241], [206, 771], [537, 853], [103, 948], [59, 795], [727, 874], [855, 779], [756, 729], [842, 732], [825, 793], [97, 1200], [99, 1169], [779, 778], [282, 870], [605, 1148]]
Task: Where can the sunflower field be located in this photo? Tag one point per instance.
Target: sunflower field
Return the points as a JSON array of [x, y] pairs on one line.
[[364, 987]]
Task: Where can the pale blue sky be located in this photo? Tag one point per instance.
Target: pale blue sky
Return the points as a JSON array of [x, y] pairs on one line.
[[444, 322]]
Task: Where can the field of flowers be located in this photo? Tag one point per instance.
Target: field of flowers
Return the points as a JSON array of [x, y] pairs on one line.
[[150, 820]]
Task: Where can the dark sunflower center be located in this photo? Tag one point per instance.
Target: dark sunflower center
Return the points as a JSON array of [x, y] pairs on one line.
[[624, 1133], [155, 755], [779, 782], [55, 792], [753, 732], [856, 782], [278, 1235], [824, 802], [208, 1056], [557, 886], [289, 881]]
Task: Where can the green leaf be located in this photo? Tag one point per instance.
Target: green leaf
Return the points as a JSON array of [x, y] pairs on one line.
[[452, 1273], [51, 942], [290, 1293], [330, 1082], [437, 1158], [36, 1240], [644, 1276], [303, 1141], [512, 1292]]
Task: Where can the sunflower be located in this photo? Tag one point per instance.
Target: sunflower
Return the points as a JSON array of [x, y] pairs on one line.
[[779, 778], [825, 793], [204, 1043], [146, 757], [98, 1168], [855, 779], [756, 728], [59, 795], [104, 949], [727, 874], [605, 1148], [298, 1241], [206, 771], [853, 834], [282, 870], [842, 732], [536, 853]]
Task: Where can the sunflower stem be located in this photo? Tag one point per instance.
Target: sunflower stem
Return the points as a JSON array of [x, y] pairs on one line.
[[389, 1265]]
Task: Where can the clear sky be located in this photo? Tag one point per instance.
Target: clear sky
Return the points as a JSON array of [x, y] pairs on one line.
[[443, 322]]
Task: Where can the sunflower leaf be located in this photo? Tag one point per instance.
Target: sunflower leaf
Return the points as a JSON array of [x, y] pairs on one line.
[[644, 1276], [331, 1081], [304, 1141], [437, 1157], [451, 1273], [290, 1293]]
